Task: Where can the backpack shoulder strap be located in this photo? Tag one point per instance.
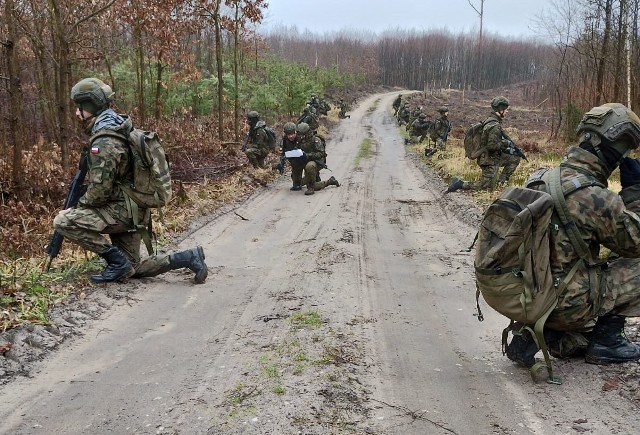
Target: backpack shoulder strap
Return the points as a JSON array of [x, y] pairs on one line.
[[555, 189]]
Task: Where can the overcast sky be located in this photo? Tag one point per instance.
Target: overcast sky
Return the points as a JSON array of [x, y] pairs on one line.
[[503, 17]]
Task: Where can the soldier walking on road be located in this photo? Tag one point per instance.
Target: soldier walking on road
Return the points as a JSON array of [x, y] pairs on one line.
[[104, 208]]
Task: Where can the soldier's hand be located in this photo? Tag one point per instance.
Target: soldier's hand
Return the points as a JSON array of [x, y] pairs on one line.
[[629, 172]]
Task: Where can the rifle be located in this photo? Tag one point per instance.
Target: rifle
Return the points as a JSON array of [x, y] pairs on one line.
[[513, 149], [280, 166], [76, 190], [245, 142], [322, 165]]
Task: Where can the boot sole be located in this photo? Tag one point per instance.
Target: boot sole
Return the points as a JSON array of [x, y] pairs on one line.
[[606, 361], [123, 278], [206, 268]]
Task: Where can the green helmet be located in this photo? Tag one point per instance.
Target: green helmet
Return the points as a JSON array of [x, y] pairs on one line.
[[303, 128], [252, 115], [613, 122], [444, 109], [423, 116], [92, 95], [499, 103], [289, 127]]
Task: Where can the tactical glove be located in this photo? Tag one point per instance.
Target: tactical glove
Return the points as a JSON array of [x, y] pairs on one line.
[[629, 172]]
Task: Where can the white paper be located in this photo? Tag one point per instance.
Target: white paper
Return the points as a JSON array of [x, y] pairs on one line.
[[293, 153]]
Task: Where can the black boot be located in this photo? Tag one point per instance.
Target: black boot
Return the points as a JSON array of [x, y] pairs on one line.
[[192, 259], [522, 349], [118, 267], [608, 343]]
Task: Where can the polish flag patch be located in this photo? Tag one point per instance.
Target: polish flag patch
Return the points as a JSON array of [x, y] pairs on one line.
[[95, 150]]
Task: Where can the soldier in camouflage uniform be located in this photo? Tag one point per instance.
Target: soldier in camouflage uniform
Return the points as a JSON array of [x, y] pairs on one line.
[[439, 132], [494, 142], [419, 129], [403, 114], [313, 157], [605, 292], [290, 143], [256, 145], [102, 210]]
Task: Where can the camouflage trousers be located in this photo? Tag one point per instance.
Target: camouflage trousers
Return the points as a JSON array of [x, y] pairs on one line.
[[441, 144], [614, 289], [487, 178], [509, 163], [256, 157], [87, 228], [311, 170]]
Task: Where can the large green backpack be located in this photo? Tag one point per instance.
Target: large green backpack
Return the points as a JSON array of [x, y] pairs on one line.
[[512, 267], [151, 184]]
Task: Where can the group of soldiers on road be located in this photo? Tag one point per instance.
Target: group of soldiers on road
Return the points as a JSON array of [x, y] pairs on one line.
[[593, 305]]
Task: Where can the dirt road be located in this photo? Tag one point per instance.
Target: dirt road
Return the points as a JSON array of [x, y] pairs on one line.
[[349, 311]]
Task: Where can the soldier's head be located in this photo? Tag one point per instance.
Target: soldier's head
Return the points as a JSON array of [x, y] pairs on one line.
[[289, 130], [92, 96], [423, 116], [252, 117], [500, 105], [610, 132], [303, 130], [443, 111]]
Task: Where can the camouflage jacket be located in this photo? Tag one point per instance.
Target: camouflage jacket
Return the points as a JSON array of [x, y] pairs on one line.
[[107, 160], [440, 128], [604, 219], [258, 137], [313, 148], [491, 140]]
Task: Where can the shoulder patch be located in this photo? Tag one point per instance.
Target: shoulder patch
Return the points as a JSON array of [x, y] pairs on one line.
[[95, 150]]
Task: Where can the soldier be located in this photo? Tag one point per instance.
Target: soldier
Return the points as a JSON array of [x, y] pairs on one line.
[[343, 110], [403, 114], [256, 144], [493, 142], [604, 292], [103, 208], [310, 118], [440, 129], [314, 158], [419, 129], [396, 104], [290, 143], [413, 116]]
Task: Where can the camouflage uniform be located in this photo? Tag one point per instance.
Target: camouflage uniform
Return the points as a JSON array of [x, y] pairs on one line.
[[419, 129], [439, 131], [489, 160], [102, 209], [403, 114], [314, 151], [297, 163], [257, 145], [603, 218], [509, 163]]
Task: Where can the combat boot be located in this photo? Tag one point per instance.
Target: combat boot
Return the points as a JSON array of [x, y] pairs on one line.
[[333, 182], [296, 187], [192, 259], [309, 190], [118, 267], [608, 343], [455, 185], [522, 349]]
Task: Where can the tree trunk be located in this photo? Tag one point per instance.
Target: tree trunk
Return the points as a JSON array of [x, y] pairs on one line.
[[218, 31]]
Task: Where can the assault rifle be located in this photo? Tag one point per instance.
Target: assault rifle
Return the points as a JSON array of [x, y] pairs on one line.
[[512, 148], [76, 190], [245, 142]]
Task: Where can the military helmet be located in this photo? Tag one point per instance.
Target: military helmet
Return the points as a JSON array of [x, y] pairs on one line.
[[612, 121], [499, 103], [252, 115], [303, 128], [289, 127], [92, 95], [444, 109], [422, 116]]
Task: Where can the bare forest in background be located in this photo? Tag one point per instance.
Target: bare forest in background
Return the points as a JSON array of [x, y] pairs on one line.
[[191, 68]]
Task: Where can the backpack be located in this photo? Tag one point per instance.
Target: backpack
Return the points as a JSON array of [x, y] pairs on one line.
[[473, 146], [512, 267], [151, 184], [271, 135]]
